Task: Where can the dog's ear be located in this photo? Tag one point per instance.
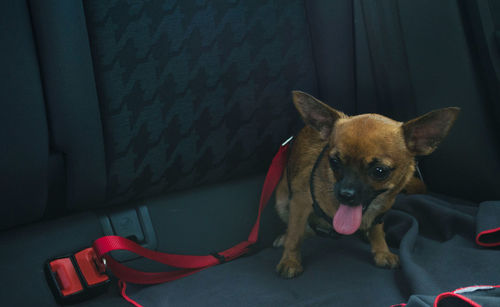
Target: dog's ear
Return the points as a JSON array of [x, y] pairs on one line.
[[423, 134], [315, 113]]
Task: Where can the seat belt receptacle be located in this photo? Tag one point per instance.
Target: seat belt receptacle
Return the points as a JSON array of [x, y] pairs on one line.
[[77, 277]]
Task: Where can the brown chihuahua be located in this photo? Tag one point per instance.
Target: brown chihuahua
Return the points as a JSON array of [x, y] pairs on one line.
[[344, 172]]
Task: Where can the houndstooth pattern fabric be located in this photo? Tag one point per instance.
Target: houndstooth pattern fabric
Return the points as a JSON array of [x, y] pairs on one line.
[[195, 92]]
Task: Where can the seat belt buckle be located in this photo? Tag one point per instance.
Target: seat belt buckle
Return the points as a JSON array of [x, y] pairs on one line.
[[77, 277]]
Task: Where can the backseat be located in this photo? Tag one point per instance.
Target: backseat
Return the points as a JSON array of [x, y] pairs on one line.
[[179, 107]]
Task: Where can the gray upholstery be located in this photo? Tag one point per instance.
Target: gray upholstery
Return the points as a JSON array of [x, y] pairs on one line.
[[71, 99], [179, 106], [24, 138]]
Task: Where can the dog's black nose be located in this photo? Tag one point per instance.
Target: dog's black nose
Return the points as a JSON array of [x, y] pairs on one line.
[[346, 194]]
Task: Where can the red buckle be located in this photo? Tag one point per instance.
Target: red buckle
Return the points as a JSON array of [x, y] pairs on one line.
[[66, 277], [77, 277], [91, 268]]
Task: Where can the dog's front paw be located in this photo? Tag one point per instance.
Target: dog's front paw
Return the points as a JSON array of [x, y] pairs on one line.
[[386, 260], [289, 268]]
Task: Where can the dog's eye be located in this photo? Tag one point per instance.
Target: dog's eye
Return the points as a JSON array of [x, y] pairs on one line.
[[335, 163], [380, 172]]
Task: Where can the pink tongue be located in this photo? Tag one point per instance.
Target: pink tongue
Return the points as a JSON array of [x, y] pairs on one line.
[[347, 219]]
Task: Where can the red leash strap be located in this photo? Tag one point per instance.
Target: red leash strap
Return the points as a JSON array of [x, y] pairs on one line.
[[123, 291], [188, 264]]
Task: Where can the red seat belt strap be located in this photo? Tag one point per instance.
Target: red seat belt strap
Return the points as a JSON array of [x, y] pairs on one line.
[[187, 264]]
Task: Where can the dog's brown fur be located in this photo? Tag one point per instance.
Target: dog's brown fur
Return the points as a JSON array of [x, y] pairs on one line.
[[357, 140]]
